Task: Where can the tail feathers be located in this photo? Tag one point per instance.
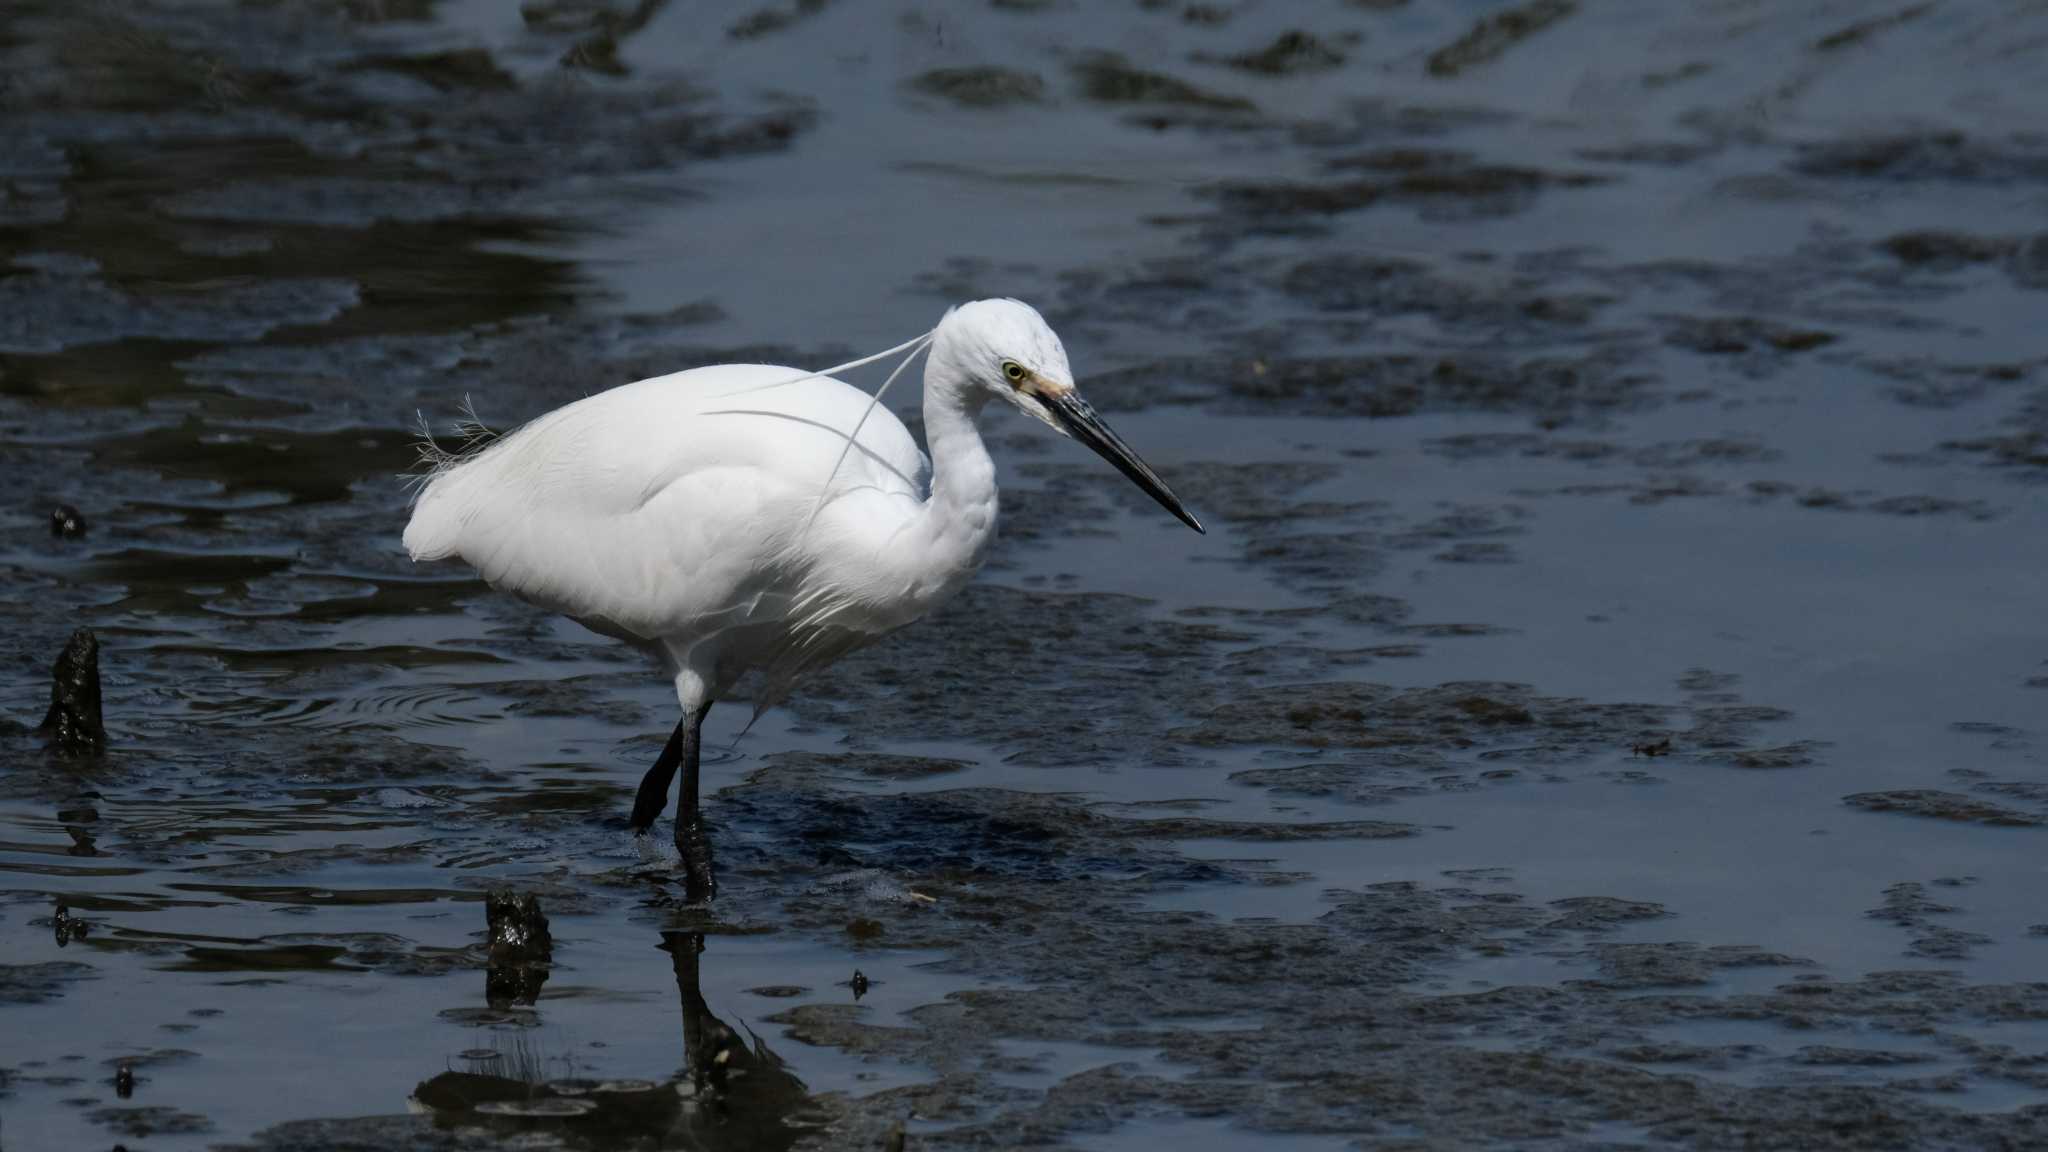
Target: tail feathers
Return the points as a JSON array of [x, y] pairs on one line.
[[433, 533], [435, 461]]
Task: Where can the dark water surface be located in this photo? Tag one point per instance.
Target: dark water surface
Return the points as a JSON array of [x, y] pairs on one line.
[[1606, 711]]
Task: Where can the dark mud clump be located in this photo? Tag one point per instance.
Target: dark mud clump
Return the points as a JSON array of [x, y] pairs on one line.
[[1441, 185], [1519, 1064], [1111, 79], [792, 766], [1291, 52], [1554, 389], [983, 87], [1942, 250], [521, 949], [1495, 34], [456, 70], [35, 983], [1911, 908], [53, 302], [151, 1120], [66, 521], [1950, 157], [2029, 263], [1795, 755], [1731, 335], [65, 927], [776, 18], [1939, 805], [73, 722], [1130, 687], [596, 49], [1679, 964], [1490, 309], [858, 859], [1450, 716], [1376, 777], [2021, 447], [1109, 673], [1863, 30], [302, 123]]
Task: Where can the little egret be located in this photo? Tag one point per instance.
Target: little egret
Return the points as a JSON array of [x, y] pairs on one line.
[[750, 518]]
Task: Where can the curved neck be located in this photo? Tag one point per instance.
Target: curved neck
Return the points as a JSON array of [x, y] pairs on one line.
[[959, 518]]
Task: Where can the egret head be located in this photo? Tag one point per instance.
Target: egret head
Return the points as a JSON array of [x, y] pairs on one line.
[[1004, 348]]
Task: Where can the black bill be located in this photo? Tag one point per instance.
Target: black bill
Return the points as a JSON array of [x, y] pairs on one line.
[[1084, 425]]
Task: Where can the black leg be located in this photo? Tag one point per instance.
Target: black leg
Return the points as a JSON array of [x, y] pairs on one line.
[[653, 795], [692, 841]]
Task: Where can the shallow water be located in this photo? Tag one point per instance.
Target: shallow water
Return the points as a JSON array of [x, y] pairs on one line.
[[1604, 711]]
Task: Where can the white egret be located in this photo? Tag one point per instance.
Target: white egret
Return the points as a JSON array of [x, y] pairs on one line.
[[750, 518]]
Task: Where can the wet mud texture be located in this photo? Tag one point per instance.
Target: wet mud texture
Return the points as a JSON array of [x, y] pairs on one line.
[[1605, 712], [73, 723]]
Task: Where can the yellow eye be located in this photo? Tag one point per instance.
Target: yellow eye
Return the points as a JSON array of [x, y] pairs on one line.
[[1013, 371]]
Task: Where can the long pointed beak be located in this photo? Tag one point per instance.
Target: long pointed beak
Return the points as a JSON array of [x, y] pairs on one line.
[[1080, 420]]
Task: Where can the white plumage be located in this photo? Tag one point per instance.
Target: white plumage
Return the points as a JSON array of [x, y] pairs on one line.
[[671, 512], [728, 519]]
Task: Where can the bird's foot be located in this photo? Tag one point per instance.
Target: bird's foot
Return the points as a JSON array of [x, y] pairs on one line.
[[700, 883]]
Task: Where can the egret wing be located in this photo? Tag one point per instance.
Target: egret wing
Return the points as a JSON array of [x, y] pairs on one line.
[[668, 506]]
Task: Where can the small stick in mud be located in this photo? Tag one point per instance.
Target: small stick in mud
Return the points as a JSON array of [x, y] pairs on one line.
[[73, 721]]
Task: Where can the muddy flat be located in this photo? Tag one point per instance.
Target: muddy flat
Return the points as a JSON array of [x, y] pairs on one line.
[[1607, 709]]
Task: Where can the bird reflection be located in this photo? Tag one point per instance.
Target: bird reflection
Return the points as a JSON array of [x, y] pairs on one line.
[[745, 1094], [729, 1096]]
